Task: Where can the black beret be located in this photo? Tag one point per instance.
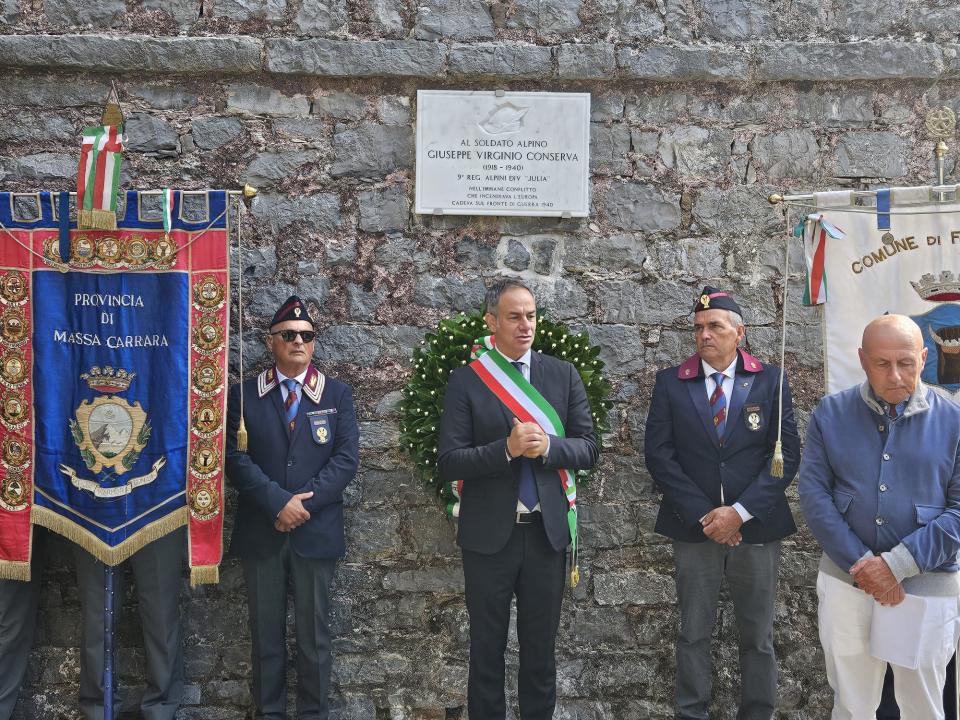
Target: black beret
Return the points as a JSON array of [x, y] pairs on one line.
[[293, 309], [713, 299]]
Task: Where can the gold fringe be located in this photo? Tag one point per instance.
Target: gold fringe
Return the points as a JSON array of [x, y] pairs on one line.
[[242, 434], [776, 467], [204, 575], [575, 576], [97, 220], [13, 570], [93, 545]]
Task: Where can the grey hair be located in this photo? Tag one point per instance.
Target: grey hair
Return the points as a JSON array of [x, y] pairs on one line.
[[492, 298], [735, 318]]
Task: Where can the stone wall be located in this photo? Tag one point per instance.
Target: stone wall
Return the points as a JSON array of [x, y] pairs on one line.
[[700, 108]]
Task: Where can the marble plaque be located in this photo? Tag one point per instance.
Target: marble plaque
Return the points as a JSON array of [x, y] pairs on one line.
[[503, 153]]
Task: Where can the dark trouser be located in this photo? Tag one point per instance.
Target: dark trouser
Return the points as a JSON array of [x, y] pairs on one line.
[[531, 569], [157, 573], [751, 574], [267, 581], [18, 619]]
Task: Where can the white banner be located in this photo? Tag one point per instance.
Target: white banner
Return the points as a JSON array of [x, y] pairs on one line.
[[903, 261]]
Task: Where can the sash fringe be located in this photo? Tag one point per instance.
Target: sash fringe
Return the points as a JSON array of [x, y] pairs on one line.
[[97, 220], [204, 575], [13, 570], [109, 555]]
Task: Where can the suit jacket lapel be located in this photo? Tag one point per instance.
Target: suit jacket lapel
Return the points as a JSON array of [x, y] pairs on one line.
[[742, 383], [276, 396], [698, 395], [301, 418]]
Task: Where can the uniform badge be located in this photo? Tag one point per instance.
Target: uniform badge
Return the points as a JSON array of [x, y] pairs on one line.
[[13, 287], [753, 417], [208, 294], [13, 492], [320, 429], [204, 501]]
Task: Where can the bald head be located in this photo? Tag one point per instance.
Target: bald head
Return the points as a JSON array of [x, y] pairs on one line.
[[892, 355]]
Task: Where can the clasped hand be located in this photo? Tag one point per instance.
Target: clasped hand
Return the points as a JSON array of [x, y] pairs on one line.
[[294, 514], [527, 439], [873, 576], [722, 525]]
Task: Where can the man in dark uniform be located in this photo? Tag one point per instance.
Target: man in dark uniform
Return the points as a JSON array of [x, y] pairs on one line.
[[303, 451], [19, 603], [514, 513], [710, 437]]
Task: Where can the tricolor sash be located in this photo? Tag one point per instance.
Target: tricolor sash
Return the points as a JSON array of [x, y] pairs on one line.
[[99, 177], [528, 405]]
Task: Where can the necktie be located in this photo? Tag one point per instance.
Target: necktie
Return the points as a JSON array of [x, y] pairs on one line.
[[529, 495], [293, 401], [718, 405]]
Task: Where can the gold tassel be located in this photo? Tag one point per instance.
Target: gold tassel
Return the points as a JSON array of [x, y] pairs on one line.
[[97, 220], [242, 436], [102, 552], [12, 570], [776, 467], [204, 575], [575, 576]]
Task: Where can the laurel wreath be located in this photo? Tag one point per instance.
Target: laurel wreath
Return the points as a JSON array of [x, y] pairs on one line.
[[447, 348]]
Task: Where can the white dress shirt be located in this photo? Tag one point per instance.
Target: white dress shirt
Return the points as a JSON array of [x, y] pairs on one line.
[[283, 388], [728, 377], [525, 371]]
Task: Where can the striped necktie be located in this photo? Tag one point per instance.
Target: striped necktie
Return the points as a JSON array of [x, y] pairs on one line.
[[528, 493], [718, 405], [293, 401]]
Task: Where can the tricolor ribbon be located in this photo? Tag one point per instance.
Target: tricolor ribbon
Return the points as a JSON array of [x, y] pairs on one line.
[[815, 230], [527, 405], [99, 177], [167, 210]]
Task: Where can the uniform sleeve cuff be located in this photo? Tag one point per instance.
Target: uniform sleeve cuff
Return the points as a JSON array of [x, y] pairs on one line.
[[742, 512], [901, 562]]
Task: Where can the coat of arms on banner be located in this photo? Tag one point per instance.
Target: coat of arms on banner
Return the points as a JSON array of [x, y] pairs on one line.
[[113, 357], [903, 256]]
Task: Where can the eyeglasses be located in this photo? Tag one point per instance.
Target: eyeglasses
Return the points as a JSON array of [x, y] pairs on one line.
[[291, 335]]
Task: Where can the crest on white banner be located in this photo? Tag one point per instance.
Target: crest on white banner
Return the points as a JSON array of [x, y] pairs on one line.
[[901, 255]]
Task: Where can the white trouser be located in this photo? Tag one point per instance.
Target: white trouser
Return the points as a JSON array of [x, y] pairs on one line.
[[857, 677]]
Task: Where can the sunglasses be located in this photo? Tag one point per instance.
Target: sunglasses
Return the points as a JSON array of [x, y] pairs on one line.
[[291, 335]]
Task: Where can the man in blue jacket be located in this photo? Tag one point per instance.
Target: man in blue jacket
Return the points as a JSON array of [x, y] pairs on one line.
[[303, 451], [710, 438], [880, 490]]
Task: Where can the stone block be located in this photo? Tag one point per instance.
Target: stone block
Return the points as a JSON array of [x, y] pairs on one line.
[[449, 293], [431, 533], [150, 135], [657, 108], [320, 212], [426, 579], [44, 166], [212, 132], [9, 12], [787, 154], [36, 92], [265, 300], [164, 97], [260, 100], [98, 13], [474, 253], [340, 252], [545, 17], [696, 151], [606, 106], [394, 109], [850, 108], [563, 298], [861, 60], [626, 301], [37, 127], [371, 150], [388, 16], [340, 58], [617, 252], [609, 149], [629, 19], [690, 258], [872, 19], [644, 142], [319, 17], [399, 252], [501, 59], [183, 12], [621, 348], [132, 53], [362, 305], [384, 210], [544, 250], [517, 257], [636, 206], [597, 61], [258, 262], [243, 10], [374, 532], [269, 168], [455, 19], [340, 105], [738, 20], [739, 210], [313, 290], [633, 587], [871, 154], [347, 343], [671, 63], [608, 526], [309, 129]]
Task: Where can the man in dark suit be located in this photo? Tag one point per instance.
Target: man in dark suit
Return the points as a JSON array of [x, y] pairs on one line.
[[303, 451], [514, 513], [710, 437]]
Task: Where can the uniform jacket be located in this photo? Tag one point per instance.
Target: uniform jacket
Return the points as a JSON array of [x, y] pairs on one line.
[[472, 447], [321, 455], [696, 472], [862, 497]]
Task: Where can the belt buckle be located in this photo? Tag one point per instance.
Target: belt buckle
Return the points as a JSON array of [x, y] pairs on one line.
[[525, 518]]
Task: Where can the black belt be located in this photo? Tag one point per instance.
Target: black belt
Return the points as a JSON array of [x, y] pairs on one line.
[[528, 518]]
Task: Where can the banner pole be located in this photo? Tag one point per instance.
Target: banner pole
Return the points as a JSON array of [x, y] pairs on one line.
[[108, 626]]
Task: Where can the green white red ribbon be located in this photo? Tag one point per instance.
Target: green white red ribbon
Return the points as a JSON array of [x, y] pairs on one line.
[[167, 210], [815, 232], [99, 177]]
